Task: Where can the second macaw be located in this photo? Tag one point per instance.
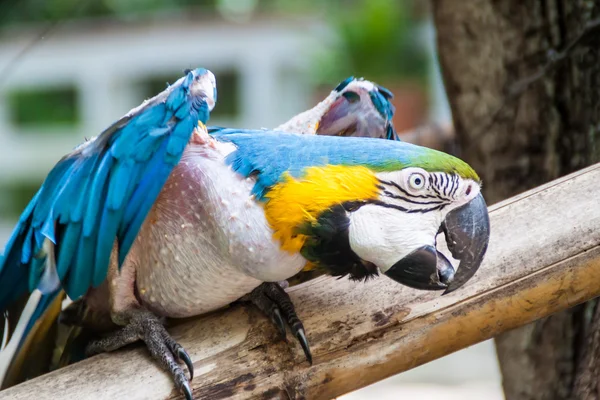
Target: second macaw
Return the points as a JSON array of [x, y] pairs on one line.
[[356, 107], [158, 218]]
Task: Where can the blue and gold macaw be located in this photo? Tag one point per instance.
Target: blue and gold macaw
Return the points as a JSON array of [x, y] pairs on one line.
[[356, 107], [156, 217]]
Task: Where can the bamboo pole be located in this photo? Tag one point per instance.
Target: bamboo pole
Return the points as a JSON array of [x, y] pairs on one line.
[[544, 256]]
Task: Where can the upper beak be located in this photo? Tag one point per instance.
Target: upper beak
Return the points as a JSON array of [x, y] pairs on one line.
[[338, 120], [467, 232]]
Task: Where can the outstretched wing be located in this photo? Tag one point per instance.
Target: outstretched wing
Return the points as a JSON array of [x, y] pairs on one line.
[[100, 192]]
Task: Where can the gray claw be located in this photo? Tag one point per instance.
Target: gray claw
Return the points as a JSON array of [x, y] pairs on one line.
[[301, 336], [187, 391], [274, 302], [278, 320], [185, 357]]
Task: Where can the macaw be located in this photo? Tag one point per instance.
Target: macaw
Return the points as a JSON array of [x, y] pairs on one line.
[[355, 107], [156, 217]]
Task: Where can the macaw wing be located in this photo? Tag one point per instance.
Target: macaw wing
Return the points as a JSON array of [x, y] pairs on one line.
[[100, 192]]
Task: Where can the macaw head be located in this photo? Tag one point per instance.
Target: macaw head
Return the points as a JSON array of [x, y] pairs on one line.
[[398, 230], [359, 108], [356, 107], [363, 206], [201, 83]]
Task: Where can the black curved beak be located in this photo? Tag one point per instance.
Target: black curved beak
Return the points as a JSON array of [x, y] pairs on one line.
[[425, 269], [467, 232]]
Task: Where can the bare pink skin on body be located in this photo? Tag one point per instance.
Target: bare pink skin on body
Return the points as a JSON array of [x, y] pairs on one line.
[[205, 243]]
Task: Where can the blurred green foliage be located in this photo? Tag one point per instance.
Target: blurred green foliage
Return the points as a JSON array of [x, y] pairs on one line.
[[44, 107], [377, 38], [15, 12], [16, 196]]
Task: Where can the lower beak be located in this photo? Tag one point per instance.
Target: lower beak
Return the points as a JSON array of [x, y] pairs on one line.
[[467, 232]]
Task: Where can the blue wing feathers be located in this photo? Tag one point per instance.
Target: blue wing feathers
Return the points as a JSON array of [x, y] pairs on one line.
[[179, 139], [149, 144], [105, 238], [81, 196], [95, 197], [35, 271], [123, 177], [81, 275], [27, 246], [85, 203], [69, 238], [153, 180], [13, 278]]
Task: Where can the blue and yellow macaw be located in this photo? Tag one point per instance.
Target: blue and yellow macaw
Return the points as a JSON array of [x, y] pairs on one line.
[[156, 217], [356, 107]]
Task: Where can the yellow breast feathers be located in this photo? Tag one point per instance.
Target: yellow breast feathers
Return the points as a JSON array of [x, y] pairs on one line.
[[293, 202]]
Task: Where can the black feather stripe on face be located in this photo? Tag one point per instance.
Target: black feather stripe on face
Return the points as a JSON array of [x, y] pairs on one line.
[[328, 244], [395, 196]]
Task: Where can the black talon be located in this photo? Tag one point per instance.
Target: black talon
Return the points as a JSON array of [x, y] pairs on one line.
[[301, 336], [180, 352], [187, 391], [185, 357], [163, 349], [273, 301], [278, 320]]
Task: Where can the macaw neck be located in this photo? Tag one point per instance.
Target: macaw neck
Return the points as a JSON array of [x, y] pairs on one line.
[[310, 216], [307, 122], [293, 204]]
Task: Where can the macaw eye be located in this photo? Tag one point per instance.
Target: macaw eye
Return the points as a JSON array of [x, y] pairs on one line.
[[416, 181], [352, 97]]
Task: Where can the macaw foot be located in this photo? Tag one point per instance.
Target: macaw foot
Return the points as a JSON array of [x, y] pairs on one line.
[[275, 303], [146, 326]]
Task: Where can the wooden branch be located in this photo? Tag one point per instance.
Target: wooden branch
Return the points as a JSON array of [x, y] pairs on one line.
[[544, 256]]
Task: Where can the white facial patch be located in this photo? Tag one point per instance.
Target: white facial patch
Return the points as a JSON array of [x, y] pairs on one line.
[[384, 235]]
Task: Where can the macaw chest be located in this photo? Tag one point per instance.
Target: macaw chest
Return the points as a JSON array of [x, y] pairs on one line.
[[206, 241]]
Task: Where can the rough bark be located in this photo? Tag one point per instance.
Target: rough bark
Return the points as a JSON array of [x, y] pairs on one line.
[[523, 80], [363, 333]]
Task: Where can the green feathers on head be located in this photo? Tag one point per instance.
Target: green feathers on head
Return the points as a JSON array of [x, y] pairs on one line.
[[431, 161]]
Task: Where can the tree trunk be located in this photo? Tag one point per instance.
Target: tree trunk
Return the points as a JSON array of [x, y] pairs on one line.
[[523, 80]]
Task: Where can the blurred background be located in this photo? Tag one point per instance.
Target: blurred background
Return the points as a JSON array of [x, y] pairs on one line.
[[69, 68]]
